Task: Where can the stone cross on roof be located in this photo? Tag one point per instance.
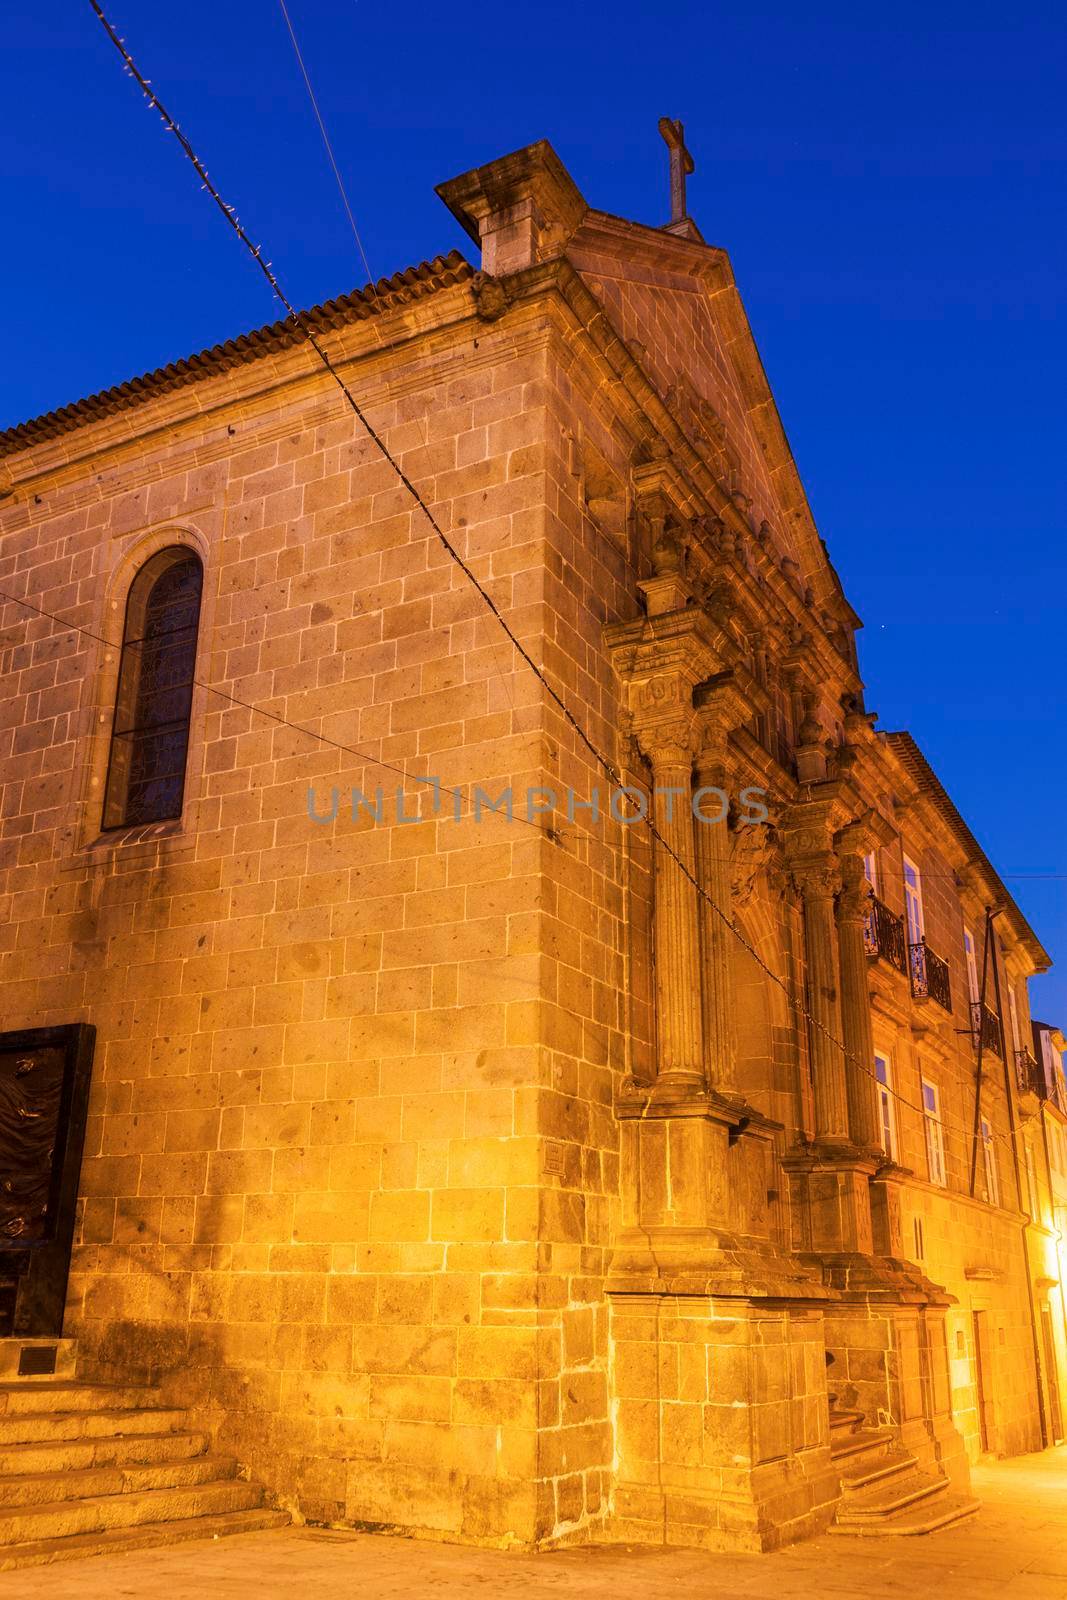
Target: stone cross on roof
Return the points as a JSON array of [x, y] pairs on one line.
[[681, 165]]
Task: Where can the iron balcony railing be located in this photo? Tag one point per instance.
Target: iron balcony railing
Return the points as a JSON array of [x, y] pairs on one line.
[[883, 935], [929, 975], [985, 1025], [1028, 1074]]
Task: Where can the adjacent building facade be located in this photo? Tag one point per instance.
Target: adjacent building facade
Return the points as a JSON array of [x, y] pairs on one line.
[[475, 1158]]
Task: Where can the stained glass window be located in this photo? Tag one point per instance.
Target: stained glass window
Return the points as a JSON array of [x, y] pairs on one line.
[[150, 733]]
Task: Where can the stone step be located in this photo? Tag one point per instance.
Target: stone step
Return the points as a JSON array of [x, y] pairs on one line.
[[146, 1536], [39, 1427], [844, 1421], [47, 1488], [74, 1455], [58, 1394], [885, 1499], [928, 1516], [64, 1519], [860, 1475], [872, 1440]]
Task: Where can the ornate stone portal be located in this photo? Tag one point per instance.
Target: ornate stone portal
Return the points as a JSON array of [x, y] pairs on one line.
[[723, 1334], [719, 1353]]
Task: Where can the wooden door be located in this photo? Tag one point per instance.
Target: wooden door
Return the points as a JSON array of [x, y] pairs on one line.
[[1052, 1377], [983, 1378]]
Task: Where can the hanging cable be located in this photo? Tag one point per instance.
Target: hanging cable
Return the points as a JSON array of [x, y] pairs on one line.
[[272, 716], [326, 142]]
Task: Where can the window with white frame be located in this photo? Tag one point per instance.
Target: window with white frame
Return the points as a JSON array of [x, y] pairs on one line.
[[972, 966], [883, 1072], [989, 1163], [913, 901], [870, 868], [935, 1139], [1013, 1015]]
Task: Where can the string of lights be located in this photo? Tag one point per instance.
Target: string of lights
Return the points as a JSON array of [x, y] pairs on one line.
[[600, 759]]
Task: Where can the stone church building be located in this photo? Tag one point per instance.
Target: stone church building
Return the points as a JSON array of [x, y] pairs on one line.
[[459, 1153]]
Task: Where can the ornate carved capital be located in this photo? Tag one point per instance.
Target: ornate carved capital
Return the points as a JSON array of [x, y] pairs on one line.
[[817, 878], [854, 900], [666, 744]]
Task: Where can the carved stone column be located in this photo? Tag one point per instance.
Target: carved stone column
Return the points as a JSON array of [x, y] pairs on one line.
[[819, 880], [852, 906], [679, 1029], [661, 658], [722, 707]]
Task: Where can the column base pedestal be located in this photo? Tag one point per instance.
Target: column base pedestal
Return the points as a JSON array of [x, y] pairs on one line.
[[830, 1193], [722, 1420]]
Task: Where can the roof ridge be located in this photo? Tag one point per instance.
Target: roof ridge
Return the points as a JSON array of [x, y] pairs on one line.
[[373, 299]]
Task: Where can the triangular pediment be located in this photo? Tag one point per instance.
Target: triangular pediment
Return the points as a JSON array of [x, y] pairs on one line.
[[674, 303]]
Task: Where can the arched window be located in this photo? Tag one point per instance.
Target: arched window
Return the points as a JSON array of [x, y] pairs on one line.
[[150, 734]]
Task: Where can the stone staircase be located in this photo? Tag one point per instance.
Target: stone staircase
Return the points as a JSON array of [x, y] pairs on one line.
[[89, 1468], [883, 1488]]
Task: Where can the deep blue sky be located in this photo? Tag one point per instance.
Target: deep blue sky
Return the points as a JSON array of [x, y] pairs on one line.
[[890, 190]]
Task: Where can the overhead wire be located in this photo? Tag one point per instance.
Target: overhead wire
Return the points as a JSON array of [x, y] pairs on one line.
[[272, 716], [371, 284], [326, 139]]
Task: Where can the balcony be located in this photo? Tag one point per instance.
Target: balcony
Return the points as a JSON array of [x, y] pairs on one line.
[[883, 935], [985, 1025], [1028, 1075], [929, 975]]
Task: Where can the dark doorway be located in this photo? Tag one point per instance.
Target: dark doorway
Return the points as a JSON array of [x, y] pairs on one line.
[[44, 1098]]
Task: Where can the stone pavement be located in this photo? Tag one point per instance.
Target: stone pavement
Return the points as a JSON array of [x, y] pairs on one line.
[[1017, 1543]]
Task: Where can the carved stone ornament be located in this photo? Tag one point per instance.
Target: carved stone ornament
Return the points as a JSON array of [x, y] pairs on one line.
[[816, 880], [810, 731], [754, 854], [632, 1088], [491, 296], [854, 901], [666, 742], [669, 551], [704, 429]]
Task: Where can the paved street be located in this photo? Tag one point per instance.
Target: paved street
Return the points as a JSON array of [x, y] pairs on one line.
[[1017, 1544]]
